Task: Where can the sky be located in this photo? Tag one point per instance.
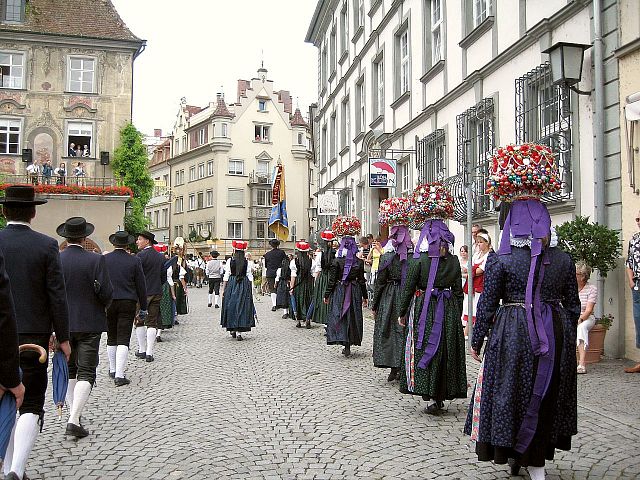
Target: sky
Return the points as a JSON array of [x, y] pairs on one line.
[[195, 48]]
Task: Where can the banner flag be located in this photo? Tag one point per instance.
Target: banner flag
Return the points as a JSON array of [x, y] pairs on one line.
[[278, 221]]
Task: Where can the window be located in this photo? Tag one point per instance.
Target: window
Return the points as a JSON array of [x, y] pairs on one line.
[[190, 228], [176, 147], [202, 136], [261, 229], [300, 138], [323, 68], [81, 75], [332, 136], [192, 201], [200, 200], [236, 167], [10, 131], [224, 130], [431, 157], [208, 200], [378, 88], [481, 10], [201, 170], [209, 228], [179, 205], [261, 133], [184, 143], [263, 168], [293, 232], [177, 231], [475, 142], [332, 50], [262, 105], [180, 177], [323, 151], [264, 198], [361, 112], [199, 229], [156, 219], [80, 134], [14, 11], [358, 14], [345, 125], [405, 178], [11, 70], [402, 45], [436, 31], [209, 168], [344, 28], [234, 230], [543, 115], [235, 197], [165, 217], [192, 174]]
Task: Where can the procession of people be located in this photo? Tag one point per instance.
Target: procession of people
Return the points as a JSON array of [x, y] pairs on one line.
[[522, 407]]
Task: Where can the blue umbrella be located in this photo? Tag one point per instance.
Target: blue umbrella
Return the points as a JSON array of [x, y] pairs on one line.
[[310, 311], [8, 404], [60, 380], [294, 307]]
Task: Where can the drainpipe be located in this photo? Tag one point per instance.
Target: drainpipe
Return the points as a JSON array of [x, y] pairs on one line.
[[598, 126]]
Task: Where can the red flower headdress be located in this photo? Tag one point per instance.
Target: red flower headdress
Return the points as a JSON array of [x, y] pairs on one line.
[[394, 211], [328, 236], [433, 200], [239, 245], [346, 226], [303, 246]]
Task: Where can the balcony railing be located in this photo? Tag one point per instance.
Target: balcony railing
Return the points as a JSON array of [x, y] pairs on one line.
[[97, 182], [259, 178]]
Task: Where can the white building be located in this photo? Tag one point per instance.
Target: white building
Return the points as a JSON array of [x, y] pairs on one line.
[[437, 85]]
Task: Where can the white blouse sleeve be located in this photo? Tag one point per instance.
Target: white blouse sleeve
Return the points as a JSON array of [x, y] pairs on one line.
[[278, 274], [294, 270], [183, 272], [227, 271], [316, 265], [170, 276]]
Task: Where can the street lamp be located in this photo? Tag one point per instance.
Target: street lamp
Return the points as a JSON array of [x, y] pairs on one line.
[[566, 64], [128, 209]]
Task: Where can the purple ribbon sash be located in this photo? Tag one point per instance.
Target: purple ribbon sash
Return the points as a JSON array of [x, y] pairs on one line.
[[348, 245], [401, 240], [436, 330]]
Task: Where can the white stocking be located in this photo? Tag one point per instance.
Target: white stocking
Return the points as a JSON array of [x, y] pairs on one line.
[[80, 397], [70, 391], [536, 473], [141, 335], [151, 340], [111, 353], [274, 297], [217, 300], [26, 432], [121, 360]]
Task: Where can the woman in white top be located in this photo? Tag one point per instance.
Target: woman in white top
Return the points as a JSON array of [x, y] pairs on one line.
[[483, 243], [588, 297]]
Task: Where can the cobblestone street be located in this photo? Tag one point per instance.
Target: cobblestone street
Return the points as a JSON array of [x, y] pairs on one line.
[[282, 404]]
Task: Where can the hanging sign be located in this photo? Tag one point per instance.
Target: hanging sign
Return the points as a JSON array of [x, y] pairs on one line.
[[382, 172], [327, 204]]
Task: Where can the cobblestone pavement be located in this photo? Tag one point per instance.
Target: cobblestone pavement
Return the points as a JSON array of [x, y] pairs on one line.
[[282, 404]]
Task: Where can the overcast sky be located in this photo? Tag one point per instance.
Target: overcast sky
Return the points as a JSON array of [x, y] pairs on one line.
[[196, 47]]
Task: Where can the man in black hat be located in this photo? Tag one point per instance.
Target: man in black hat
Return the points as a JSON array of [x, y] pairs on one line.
[[89, 293], [214, 273], [273, 260], [129, 289], [33, 265], [155, 276]]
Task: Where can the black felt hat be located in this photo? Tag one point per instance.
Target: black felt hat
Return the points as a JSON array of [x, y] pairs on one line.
[[274, 242], [75, 227], [20, 196], [121, 239], [149, 236]]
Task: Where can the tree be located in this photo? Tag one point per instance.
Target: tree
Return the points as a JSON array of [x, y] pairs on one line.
[[130, 166]]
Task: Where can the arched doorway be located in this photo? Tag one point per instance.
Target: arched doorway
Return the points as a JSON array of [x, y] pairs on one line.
[[87, 244]]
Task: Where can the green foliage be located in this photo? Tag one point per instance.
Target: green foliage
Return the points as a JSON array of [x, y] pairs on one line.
[[130, 166], [195, 237], [596, 245], [606, 321]]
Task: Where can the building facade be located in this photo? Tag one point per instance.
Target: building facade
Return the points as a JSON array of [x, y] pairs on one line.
[[222, 160], [158, 210], [437, 85]]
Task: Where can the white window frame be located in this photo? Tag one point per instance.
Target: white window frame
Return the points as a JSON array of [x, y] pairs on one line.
[[165, 217], [333, 51], [202, 139], [201, 170], [405, 63], [333, 137], [208, 198], [405, 178], [80, 129], [262, 133], [12, 80], [362, 106], [19, 18], [358, 14], [378, 72], [82, 88], [210, 168], [234, 162], [229, 200], [263, 171], [264, 202], [345, 124], [344, 28], [225, 129], [192, 173], [437, 24], [262, 105], [7, 123], [264, 229], [192, 201], [234, 230], [480, 10], [301, 139], [179, 204]]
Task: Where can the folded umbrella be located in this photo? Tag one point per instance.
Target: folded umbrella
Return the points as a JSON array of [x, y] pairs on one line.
[[310, 311], [8, 404], [60, 379], [294, 307]]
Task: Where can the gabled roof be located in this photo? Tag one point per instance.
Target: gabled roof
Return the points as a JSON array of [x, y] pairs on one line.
[[74, 18], [221, 109], [297, 120], [192, 110]]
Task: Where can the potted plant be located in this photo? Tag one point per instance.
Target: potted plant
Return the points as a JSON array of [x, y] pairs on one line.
[[599, 247]]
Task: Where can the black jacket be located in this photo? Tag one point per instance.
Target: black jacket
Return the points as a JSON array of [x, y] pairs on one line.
[[273, 260], [87, 307], [127, 277], [9, 357], [33, 265], [154, 273]]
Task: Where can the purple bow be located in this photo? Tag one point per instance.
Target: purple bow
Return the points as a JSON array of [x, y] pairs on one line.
[[401, 240], [436, 329], [349, 245]]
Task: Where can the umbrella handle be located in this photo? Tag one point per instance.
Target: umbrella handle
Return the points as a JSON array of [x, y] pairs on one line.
[[35, 348]]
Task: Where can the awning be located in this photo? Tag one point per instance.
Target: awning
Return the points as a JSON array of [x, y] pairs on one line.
[[632, 108]]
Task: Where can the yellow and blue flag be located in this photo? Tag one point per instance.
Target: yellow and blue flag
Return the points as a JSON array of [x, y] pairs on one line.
[[278, 221]]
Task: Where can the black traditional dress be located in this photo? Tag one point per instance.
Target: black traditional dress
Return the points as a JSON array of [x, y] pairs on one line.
[[238, 312], [388, 334], [502, 404], [444, 377], [182, 307], [302, 288], [320, 309], [283, 297], [344, 319]]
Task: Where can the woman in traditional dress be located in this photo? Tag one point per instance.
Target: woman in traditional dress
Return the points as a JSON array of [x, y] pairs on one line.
[[524, 405], [238, 312], [180, 287], [301, 283], [388, 334], [346, 291], [283, 279], [478, 262], [323, 262], [434, 353]]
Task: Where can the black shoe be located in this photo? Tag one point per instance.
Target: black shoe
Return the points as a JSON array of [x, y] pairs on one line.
[[308, 324], [141, 355], [298, 325], [285, 316], [208, 305], [239, 338], [346, 351], [12, 476], [273, 309], [434, 408], [233, 334], [112, 374], [122, 381], [393, 374], [514, 467], [149, 358], [77, 431], [217, 306], [159, 339], [176, 322]]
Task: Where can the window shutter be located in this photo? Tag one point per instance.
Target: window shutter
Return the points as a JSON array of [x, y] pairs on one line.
[[235, 197]]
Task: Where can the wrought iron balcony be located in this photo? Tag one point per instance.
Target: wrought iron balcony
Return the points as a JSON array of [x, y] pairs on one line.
[[259, 178]]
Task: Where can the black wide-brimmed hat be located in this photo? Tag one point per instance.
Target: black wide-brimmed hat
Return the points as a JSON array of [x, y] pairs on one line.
[[20, 196], [149, 236], [214, 253], [274, 242], [121, 239], [75, 227]]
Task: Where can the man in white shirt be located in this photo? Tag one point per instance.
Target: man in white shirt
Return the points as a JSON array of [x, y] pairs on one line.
[[214, 271]]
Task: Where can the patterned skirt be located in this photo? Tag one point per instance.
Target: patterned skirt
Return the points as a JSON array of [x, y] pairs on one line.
[[166, 307], [238, 312], [320, 309], [345, 329]]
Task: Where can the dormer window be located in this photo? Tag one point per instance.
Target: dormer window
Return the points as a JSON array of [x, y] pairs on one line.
[[13, 11], [262, 105]]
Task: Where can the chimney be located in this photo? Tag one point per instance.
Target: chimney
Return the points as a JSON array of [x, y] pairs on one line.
[[157, 132]]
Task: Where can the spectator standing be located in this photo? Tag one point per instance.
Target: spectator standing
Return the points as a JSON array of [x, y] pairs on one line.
[[633, 275], [47, 171], [588, 294], [214, 271], [72, 150], [272, 260], [61, 173]]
